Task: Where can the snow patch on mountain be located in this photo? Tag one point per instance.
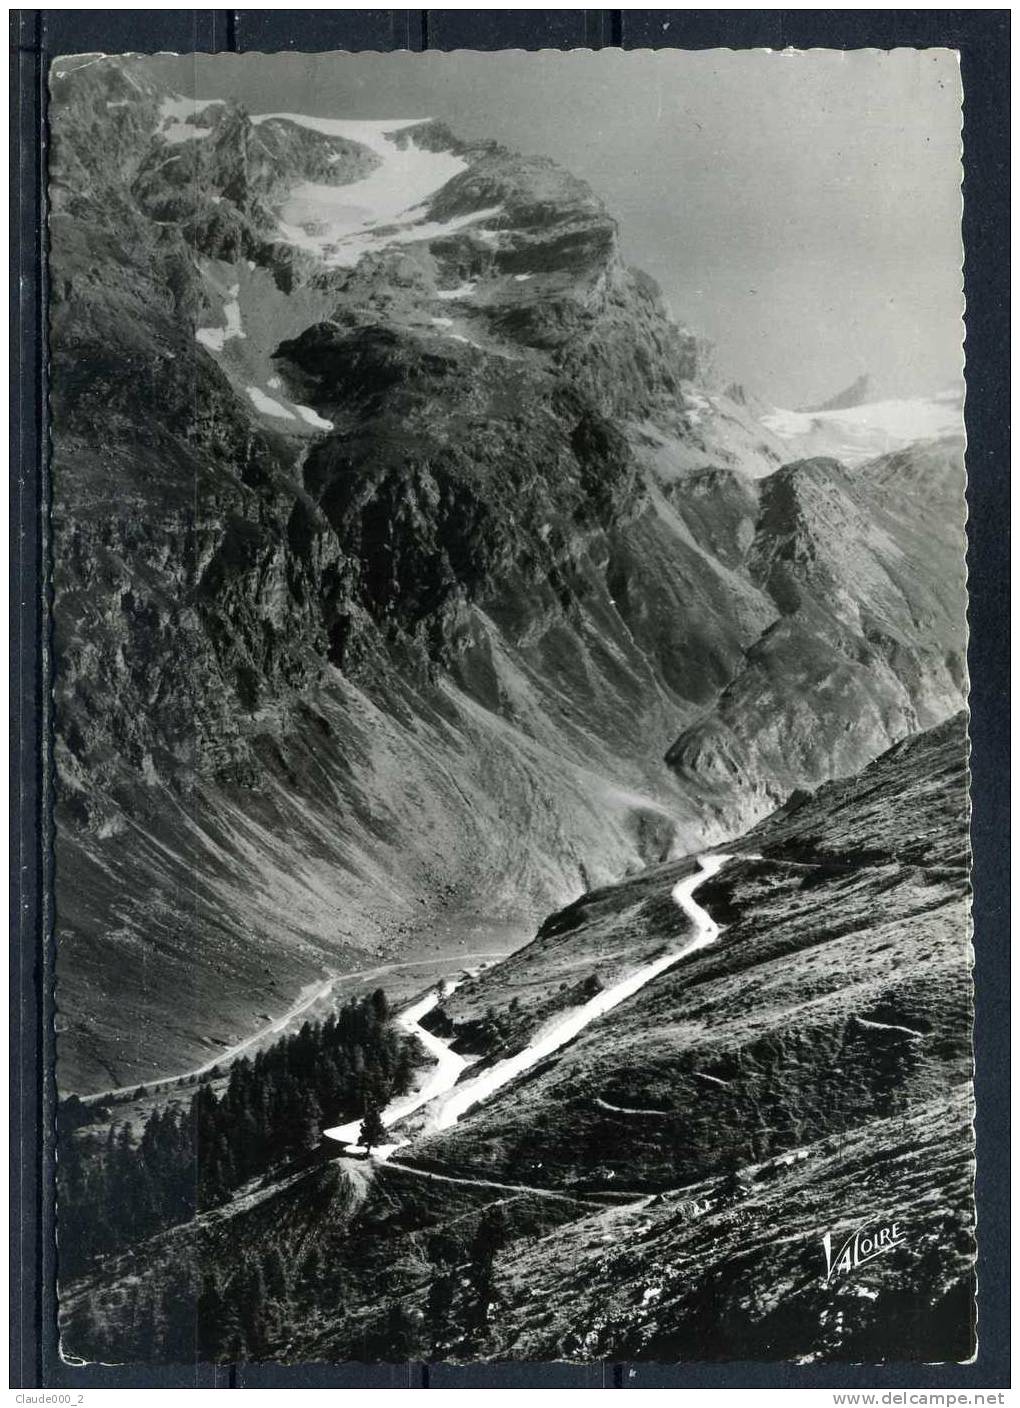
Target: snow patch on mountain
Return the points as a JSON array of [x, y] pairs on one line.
[[267, 405], [858, 433], [341, 223], [313, 418], [215, 338], [211, 338], [461, 291], [322, 220], [176, 118]]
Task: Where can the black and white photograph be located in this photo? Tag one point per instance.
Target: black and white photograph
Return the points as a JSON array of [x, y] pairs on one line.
[[510, 737]]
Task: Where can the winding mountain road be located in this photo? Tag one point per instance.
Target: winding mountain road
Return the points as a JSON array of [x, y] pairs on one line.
[[280, 1024], [521, 1188], [441, 1077], [447, 1098]]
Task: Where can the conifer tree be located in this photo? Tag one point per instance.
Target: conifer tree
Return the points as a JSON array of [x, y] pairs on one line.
[[444, 1249], [127, 1188], [308, 1122], [490, 1235], [373, 1131]]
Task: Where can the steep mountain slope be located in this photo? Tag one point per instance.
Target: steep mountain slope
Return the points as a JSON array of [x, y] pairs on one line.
[[663, 1183], [816, 1059], [738, 1271], [865, 648], [839, 991], [398, 535]]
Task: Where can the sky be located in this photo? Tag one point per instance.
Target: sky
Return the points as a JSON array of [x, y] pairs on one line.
[[802, 210]]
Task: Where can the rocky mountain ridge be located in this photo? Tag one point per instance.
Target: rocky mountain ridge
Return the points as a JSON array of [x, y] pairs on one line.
[[858, 393], [396, 548]]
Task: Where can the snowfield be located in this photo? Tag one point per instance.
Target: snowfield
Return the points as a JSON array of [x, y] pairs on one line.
[[270, 407], [461, 291], [267, 405], [341, 223], [174, 113], [862, 432], [313, 418], [215, 338], [441, 1078]]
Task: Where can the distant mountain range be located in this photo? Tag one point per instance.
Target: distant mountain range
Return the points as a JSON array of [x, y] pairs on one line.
[[856, 427]]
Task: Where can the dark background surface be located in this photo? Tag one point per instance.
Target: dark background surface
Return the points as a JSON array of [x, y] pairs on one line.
[[982, 37]]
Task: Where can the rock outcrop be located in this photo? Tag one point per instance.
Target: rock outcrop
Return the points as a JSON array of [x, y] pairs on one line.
[[858, 393], [869, 642]]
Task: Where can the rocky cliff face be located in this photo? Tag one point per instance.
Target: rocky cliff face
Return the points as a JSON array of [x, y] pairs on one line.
[[865, 647], [399, 535]]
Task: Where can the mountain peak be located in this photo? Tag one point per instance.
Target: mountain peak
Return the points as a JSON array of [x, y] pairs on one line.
[[423, 437], [858, 393]]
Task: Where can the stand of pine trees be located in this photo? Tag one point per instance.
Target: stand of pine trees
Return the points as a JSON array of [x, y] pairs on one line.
[[120, 1190]]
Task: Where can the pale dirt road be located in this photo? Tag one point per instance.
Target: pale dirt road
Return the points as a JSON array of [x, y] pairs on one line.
[[277, 1027]]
